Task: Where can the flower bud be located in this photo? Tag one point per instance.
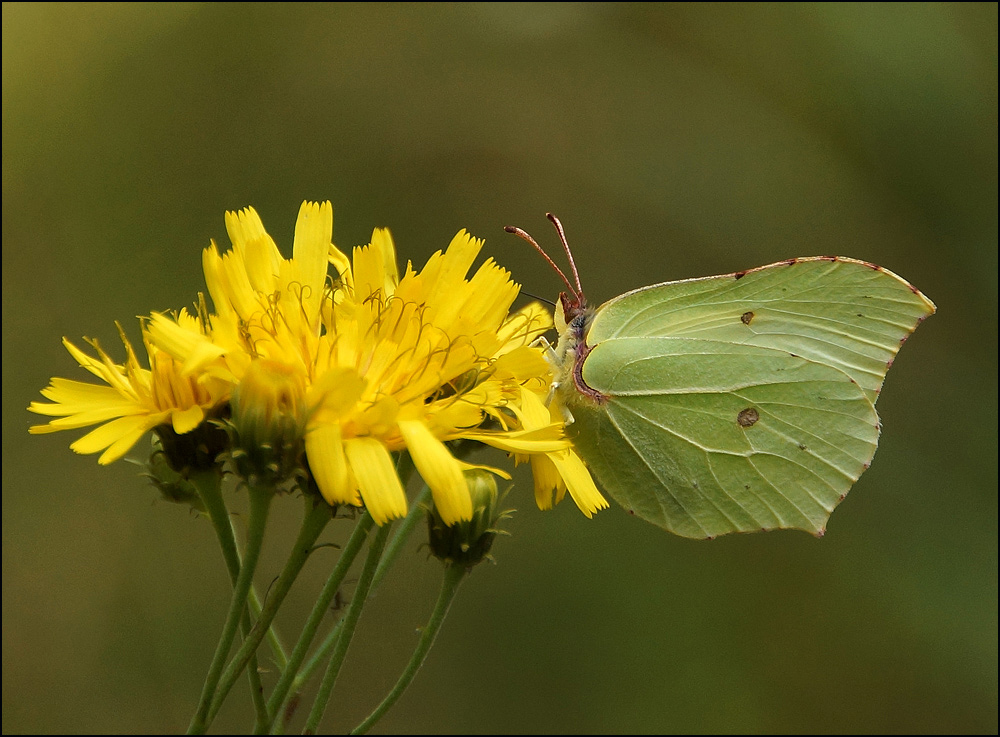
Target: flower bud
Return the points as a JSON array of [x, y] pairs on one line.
[[173, 486], [467, 542]]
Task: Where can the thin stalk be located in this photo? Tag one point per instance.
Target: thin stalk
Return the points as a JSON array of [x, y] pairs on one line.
[[452, 578], [319, 611], [260, 504], [273, 639], [317, 514], [210, 492], [321, 655], [350, 622], [292, 679], [416, 514], [392, 551], [209, 486]]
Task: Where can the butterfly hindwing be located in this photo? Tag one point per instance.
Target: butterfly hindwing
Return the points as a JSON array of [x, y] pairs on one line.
[[705, 438]]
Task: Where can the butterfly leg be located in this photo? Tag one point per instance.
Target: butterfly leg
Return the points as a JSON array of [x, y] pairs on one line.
[[552, 359]]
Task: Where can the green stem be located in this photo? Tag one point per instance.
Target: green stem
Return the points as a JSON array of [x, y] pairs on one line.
[[210, 491], [273, 639], [452, 578], [319, 611], [260, 504], [320, 657], [209, 486], [317, 514], [350, 622], [416, 514]]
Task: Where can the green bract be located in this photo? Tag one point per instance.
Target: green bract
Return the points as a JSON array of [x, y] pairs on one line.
[[741, 402]]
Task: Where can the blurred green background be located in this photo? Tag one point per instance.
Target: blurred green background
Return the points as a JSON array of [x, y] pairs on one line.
[[673, 141]]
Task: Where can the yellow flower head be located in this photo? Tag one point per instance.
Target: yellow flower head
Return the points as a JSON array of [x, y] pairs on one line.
[[414, 362], [134, 401]]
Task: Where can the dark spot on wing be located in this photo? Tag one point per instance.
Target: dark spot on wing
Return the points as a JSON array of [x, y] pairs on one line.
[[748, 417], [746, 317]]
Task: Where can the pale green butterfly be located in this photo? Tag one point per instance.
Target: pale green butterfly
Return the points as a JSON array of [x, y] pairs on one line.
[[732, 403]]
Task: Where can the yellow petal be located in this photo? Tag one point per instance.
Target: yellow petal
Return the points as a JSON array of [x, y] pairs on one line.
[[343, 266], [117, 436], [212, 265], [77, 396], [325, 451], [384, 246], [547, 480], [376, 475], [185, 421], [534, 414], [522, 363], [440, 471], [334, 394], [482, 467], [578, 482], [102, 368], [545, 440], [192, 348], [369, 269], [448, 278], [313, 231], [524, 326], [491, 293], [261, 257]]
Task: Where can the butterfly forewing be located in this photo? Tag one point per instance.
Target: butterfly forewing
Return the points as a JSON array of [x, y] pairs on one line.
[[843, 313]]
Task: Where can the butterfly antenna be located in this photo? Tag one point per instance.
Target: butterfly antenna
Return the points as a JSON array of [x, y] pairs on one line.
[[569, 253], [540, 299], [524, 236]]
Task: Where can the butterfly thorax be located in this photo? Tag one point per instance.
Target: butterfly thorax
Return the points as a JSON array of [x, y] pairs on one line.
[[573, 319]]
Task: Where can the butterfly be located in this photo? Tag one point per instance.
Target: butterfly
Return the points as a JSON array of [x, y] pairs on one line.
[[732, 403]]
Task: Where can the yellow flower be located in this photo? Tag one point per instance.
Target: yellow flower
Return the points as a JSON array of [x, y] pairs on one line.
[[392, 362], [134, 401], [437, 356], [383, 363]]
